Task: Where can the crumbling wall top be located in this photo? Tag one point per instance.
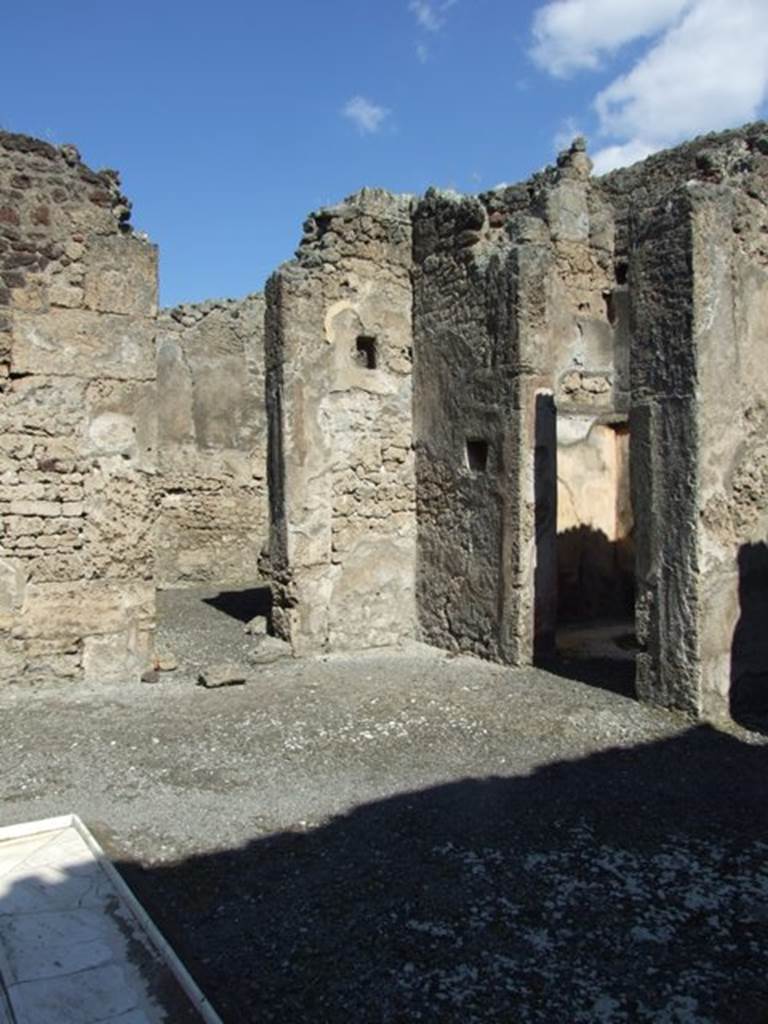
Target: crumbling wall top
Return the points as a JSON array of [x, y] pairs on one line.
[[736, 158], [101, 188], [366, 225], [190, 313]]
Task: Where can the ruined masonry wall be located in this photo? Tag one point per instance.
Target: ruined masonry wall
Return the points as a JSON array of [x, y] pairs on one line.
[[77, 442], [699, 295], [583, 348], [521, 342], [210, 488], [464, 291], [341, 474], [730, 260]]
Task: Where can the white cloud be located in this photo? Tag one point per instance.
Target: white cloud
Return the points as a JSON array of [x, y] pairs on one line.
[[705, 67], [610, 157], [709, 71], [430, 14], [570, 35], [422, 52], [368, 117]]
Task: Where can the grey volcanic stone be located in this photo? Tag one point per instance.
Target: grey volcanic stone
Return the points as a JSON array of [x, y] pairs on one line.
[[225, 674], [270, 649]]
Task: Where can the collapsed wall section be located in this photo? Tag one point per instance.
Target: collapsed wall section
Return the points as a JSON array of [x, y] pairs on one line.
[[211, 488], [77, 440], [341, 473]]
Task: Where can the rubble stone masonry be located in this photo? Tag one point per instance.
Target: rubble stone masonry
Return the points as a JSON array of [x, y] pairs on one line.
[[487, 416], [211, 488], [78, 440], [341, 469]]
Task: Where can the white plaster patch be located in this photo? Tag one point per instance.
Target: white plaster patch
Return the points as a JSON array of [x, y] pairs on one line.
[[112, 433]]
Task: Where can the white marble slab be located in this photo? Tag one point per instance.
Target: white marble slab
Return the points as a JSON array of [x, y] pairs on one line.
[[75, 945]]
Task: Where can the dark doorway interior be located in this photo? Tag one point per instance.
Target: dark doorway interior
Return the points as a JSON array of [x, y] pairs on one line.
[[749, 651], [243, 605], [594, 550]]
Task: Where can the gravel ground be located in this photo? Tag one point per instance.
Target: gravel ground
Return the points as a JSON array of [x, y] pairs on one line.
[[404, 836]]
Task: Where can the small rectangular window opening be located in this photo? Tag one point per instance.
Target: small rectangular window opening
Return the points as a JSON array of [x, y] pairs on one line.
[[365, 352], [477, 454]]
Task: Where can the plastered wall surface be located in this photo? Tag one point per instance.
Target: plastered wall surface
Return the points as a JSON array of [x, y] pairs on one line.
[[730, 335], [211, 487], [341, 473]]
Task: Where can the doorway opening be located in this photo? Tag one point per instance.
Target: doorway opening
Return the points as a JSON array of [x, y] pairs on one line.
[[595, 549], [749, 652]]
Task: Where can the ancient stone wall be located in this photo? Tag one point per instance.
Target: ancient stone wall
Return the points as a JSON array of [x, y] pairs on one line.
[[664, 452], [699, 290], [458, 391], [521, 343], [465, 421], [77, 436], [341, 478], [586, 338], [730, 261], [211, 488]]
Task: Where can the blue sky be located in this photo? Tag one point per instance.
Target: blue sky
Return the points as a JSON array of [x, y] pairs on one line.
[[230, 121]]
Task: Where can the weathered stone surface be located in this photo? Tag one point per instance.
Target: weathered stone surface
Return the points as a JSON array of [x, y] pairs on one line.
[[257, 626], [225, 674], [121, 276], [342, 489], [269, 650], [509, 347], [210, 488], [84, 343], [458, 390], [562, 330], [77, 404]]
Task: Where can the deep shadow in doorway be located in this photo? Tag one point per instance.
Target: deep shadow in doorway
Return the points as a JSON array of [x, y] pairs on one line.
[[243, 605], [584, 582], [749, 650]]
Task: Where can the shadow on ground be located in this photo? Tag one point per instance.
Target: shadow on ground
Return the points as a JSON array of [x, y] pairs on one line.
[[242, 605], [611, 674], [631, 885]]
